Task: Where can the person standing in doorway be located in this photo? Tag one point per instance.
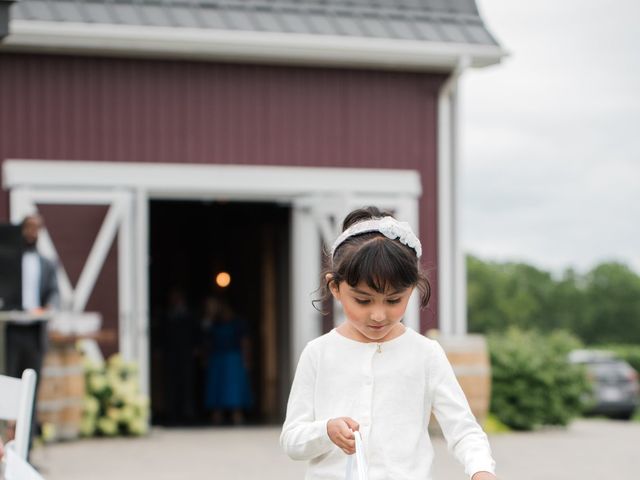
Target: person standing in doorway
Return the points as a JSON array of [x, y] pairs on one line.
[[27, 339], [227, 386], [180, 330]]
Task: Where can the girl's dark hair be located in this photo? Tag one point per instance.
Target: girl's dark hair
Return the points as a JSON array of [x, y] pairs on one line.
[[380, 262]]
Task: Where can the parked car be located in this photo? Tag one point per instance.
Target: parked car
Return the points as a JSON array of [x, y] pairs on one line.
[[616, 392]]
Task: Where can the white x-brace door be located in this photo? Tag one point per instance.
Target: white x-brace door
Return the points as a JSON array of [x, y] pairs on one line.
[[118, 222]]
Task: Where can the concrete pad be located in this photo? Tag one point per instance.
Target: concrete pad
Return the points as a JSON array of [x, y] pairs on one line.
[[587, 449]]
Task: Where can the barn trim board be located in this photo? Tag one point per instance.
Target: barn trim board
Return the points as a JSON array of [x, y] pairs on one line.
[[319, 198], [246, 46]]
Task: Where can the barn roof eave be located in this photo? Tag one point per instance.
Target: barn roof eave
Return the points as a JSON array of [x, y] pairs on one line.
[[244, 46]]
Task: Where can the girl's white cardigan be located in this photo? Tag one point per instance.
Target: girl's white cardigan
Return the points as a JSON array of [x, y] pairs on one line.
[[390, 389]]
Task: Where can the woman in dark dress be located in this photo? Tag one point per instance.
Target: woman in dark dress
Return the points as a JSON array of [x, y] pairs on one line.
[[227, 386]]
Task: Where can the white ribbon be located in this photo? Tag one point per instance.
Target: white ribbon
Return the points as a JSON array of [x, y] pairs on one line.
[[361, 462]]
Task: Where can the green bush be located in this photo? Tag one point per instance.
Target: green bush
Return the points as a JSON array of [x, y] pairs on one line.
[[630, 353], [532, 382], [493, 425]]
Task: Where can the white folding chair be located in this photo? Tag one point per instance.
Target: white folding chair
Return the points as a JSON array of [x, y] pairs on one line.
[[16, 403]]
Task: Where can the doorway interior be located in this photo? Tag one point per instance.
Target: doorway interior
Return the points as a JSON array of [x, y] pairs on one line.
[[190, 244]]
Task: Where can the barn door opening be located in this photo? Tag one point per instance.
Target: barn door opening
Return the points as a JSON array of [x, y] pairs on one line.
[[218, 311]]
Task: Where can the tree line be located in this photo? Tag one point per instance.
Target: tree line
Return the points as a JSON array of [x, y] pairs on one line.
[[600, 306]]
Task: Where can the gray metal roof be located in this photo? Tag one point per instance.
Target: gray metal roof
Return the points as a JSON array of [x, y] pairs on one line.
[[442, 21]]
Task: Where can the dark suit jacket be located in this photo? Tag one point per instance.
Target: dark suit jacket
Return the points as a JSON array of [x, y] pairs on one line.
[[49, 295]]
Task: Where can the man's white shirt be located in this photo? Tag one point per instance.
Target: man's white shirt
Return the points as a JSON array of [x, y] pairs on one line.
[[30, 280]]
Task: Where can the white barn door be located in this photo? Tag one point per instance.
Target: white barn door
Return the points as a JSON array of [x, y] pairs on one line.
[[119, 223]]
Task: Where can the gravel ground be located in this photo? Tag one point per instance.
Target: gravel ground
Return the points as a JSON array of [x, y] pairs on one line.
[[588, 449]]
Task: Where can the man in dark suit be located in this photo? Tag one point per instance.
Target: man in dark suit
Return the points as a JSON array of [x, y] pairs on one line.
[[26, 340]]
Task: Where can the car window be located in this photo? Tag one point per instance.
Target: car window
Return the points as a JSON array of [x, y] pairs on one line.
[[609, 369]]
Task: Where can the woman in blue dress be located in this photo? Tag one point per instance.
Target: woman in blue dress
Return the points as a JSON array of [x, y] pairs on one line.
[[227, 385]]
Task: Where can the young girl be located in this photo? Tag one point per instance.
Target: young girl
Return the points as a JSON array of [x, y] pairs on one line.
[[374, 375]]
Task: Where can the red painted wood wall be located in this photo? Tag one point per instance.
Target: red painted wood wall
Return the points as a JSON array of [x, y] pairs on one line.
[[133, 110]]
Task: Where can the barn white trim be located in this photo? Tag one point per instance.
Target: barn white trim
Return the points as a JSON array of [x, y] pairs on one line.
[[319, 198], [244, 46]]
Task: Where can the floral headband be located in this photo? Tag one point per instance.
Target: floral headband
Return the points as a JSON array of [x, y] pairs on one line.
[[388, 226]]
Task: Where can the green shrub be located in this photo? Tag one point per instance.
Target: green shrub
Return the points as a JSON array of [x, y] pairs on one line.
[[493, 425], [630, 353], [532, 382]]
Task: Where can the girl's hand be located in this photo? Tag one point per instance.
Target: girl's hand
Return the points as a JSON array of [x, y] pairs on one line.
[[483, 476], [340, 432]]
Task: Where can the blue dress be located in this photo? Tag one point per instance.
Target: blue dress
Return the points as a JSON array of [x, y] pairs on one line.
[[227, 382]]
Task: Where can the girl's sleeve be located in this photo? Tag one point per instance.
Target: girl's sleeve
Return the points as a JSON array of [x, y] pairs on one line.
[[465, 438], [303, 436]]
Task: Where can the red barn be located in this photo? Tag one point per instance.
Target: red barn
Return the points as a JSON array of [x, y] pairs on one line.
[[166, 142]]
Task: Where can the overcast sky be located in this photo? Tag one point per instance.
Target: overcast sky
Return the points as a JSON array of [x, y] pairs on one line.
[[551, 137]]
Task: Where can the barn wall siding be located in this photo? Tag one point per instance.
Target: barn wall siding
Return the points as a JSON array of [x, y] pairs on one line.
[[133, 110]]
